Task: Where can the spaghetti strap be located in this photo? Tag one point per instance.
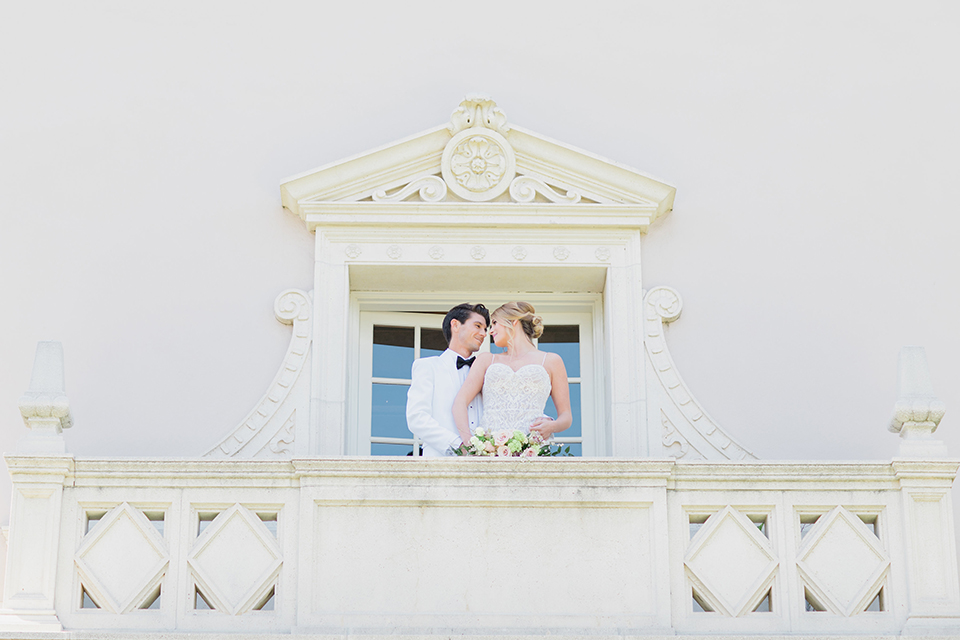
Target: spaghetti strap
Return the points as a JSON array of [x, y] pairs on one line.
[[544, 359]]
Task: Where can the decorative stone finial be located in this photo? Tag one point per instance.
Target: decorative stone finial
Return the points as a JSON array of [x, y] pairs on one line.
[[478, 110], [45, 408], [917, 412], [478, 164]]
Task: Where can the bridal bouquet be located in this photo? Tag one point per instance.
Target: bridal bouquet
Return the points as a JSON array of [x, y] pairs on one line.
[[510, 444]]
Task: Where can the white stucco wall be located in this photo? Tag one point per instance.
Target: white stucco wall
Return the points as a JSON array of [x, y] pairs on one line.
[[813, 148]]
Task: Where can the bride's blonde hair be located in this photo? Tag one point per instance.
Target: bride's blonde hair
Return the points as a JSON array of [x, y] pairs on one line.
[[531, 323]]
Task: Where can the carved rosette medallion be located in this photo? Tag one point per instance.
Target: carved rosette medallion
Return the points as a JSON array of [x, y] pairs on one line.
[[561, 253], [394, 252], [478, 164], [435, 252], [353, 251], [478, 252], [666, 302], [602, 253], [519, 253]]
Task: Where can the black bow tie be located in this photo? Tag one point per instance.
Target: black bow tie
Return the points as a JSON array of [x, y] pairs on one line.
[[464, 363]]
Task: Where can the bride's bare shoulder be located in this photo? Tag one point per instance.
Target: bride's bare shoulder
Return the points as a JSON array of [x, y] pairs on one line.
[[552, 361], [484, 358]]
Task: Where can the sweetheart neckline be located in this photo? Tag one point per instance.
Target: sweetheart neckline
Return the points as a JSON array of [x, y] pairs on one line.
[[504, 364]]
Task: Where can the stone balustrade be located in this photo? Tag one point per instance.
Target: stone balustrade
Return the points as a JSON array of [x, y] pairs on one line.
[[485, 546]]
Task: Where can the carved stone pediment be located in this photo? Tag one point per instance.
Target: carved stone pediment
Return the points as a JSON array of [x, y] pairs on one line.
[[476, 159], [478, 205]]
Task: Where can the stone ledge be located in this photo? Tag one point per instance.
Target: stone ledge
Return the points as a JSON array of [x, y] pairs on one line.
[[577, 634]]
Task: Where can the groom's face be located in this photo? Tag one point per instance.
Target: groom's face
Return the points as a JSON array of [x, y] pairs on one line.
[[470, 334]]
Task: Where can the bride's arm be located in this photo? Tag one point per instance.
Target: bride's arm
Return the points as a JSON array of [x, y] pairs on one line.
[[560, 392], [471, 387]]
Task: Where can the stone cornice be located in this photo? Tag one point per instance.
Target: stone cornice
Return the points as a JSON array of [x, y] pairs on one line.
[[560, 173], [561, 161], [390, 164], [680, 475], [431, 634], [470, 215], [791, 475], [40, 468], [931, 473], [184, 472]]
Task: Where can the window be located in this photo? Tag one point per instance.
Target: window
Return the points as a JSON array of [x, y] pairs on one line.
[[564, 340], [391, 341]]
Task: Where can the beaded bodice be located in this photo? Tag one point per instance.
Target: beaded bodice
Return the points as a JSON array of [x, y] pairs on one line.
[[514, 399]]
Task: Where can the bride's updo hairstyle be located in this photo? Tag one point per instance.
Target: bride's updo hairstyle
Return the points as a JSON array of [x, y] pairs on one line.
[[524, 312]]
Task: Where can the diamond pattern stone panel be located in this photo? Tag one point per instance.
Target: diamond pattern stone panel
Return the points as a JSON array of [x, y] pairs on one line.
[[843, 562], [121, 559], [730, 562], [235, 560]]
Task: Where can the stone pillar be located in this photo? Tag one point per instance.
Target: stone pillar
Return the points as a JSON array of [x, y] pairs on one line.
[[45, 408], [331, 302], [624, 325], [932, 582], [31, 576], [918, 411], [38, 472]]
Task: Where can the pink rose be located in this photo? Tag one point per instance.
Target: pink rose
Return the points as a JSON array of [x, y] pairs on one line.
[[501, 437], [503, 451], [529, 453], [488, 446]]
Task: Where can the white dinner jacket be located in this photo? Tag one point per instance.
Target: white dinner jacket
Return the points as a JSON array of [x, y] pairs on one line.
[[435, 383]]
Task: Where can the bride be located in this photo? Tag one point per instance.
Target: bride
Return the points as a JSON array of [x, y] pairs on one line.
[[517, 383]]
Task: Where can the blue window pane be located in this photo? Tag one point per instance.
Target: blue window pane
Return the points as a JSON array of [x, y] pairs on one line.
[[551, 410], [569, 351], [392, 352], [432, 342], [494, 348], [388, 415], [380, 449], [564, 340]]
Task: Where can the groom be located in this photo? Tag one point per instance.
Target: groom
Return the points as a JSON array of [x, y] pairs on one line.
[[437, 380]]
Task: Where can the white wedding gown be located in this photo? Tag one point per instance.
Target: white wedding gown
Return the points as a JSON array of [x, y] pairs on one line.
[[512, 400]]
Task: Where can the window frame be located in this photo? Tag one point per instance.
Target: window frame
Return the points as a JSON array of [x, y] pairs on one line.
[[584, 309]]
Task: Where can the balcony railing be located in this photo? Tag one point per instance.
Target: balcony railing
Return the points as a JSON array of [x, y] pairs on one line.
[[566, 546]]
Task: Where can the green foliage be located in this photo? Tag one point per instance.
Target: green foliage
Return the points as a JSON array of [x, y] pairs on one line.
[[555, 450]]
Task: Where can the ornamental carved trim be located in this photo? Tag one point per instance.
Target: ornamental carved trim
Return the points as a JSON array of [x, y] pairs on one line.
[[478, 111], [430, 188], [267, 420], [674, 444], [526, 188], [478, 164], [662, 305], [281, 445]]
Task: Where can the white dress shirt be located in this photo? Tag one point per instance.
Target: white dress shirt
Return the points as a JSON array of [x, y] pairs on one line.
[[435, 383]]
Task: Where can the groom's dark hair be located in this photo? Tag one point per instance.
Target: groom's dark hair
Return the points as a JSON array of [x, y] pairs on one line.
[[462, 313]]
